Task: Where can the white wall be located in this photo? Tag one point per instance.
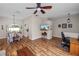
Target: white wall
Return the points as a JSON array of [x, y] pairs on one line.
[[33, 23], [49, 33], [74, 21], [71, 34], [35, 27], [26, 26]]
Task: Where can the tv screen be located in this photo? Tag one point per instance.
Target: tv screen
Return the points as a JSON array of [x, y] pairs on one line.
[[44, 27]]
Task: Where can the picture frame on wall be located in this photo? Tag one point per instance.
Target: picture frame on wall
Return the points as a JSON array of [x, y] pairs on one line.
[[69, 25], [59, 25], [64, 25]]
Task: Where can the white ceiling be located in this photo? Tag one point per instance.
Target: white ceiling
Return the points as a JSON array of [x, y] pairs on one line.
[[58, 10]]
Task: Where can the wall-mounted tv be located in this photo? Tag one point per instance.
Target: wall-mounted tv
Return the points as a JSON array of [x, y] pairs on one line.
[[44, 27]]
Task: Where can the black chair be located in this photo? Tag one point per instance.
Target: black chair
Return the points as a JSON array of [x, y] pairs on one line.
[[65, 40]]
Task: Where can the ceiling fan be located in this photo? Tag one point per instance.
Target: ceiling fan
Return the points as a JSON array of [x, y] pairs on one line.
[[39, 8]]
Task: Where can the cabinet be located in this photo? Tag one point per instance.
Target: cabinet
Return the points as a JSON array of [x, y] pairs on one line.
[[74, 47]]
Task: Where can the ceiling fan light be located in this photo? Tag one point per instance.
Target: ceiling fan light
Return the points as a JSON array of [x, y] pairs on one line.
[[38, 9]]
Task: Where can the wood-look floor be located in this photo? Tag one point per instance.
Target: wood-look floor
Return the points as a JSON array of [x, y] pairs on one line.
[[41, 47]]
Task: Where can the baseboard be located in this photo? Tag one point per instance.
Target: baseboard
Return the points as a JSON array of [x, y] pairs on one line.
[[2, 38], [56, 37]]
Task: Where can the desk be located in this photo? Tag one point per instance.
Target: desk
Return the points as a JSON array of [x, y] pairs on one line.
[[74, 46]]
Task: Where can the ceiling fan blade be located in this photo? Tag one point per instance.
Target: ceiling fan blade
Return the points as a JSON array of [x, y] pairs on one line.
[[30, 7], [35, 11], [46, 7], [38, 5], [43, 11]]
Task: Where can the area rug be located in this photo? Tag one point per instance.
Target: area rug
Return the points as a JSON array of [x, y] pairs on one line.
[[24, 52]]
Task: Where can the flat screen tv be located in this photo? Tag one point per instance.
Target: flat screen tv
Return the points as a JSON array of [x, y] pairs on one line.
[[44, 27]]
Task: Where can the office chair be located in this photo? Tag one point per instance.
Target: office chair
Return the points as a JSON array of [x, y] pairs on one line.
[[65, 40]]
